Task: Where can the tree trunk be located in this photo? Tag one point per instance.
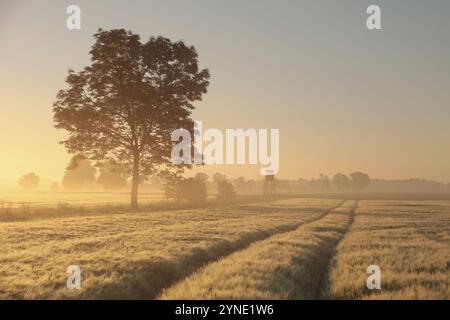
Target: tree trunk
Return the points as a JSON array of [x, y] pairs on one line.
[[135, 183]]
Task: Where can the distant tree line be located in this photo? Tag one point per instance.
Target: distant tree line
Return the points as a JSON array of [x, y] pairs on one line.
[[80, 174], [354, 182]]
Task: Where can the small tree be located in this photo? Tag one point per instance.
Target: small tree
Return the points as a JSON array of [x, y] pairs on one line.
[[202, 177], [312, 184], [127, 102], [219, 177], [241, 184], [29, 181], [225, 190], [323, 182], [190, 189], [341, 181], [79, 173], [359, 180]]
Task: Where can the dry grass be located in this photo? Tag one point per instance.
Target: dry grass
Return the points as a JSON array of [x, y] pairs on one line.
[[135, 255], [291, 265], [28, 206], [46, 199], [21, 206], [408, 240], [285, 249]]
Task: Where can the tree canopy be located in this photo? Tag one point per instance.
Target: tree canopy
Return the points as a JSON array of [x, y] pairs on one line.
[[112, 177], [125, 104], [359, 180]]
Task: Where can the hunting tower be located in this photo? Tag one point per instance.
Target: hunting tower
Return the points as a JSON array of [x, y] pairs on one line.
[[269, 184]]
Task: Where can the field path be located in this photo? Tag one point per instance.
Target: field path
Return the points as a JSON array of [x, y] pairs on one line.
[[324, 286], [233, 247], [288, 265]]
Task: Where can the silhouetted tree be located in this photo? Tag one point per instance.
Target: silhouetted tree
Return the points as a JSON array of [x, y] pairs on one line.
[[341, 181], [202, 177], [359, 180], [79, 173], [190, 189], [323, 182], [219, 177], [29, 181], [125, 105], [225, 190], [240, 184], [312, 184], [112, 177]]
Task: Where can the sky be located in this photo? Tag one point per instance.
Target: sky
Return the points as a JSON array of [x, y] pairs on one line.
[[344, 98]]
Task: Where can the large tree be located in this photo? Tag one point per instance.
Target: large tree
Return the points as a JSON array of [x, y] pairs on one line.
[[112, 177], [125, 104]]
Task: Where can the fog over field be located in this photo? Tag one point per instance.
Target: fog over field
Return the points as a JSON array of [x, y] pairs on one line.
[[224, 150]]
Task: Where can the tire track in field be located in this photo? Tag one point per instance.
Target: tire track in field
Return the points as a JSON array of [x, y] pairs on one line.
[[296, 262], [324, 284], [202, 258]]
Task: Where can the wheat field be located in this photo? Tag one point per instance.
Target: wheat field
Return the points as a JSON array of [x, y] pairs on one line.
[[301, 248], [287, 266], [134, 255], [409, 240]]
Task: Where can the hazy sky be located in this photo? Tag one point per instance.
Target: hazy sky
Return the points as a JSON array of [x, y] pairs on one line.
[[344, 98]]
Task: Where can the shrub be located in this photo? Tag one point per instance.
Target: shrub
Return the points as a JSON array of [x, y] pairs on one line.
[[190, 189], [225, 190], [29, 181]]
